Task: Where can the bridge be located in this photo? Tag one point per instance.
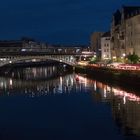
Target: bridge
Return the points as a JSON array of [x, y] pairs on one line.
[[69, 56]]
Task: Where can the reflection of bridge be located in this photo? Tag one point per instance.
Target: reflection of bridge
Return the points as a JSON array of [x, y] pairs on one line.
[[64, 55]]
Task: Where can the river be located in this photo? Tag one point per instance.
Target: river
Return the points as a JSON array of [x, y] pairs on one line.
[[46, 103]]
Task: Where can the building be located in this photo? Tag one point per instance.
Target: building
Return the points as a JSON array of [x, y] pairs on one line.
[[95, 43], [105, 46], [19, 45], [10, 45], [125, 32]]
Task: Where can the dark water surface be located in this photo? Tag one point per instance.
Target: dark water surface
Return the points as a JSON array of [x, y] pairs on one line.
[[41, 103]]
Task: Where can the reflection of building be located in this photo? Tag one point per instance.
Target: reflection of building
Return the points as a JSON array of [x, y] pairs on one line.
[[95, 43], [126, 111], [125, 32], [105, 46], [127, 116], [125, 107]]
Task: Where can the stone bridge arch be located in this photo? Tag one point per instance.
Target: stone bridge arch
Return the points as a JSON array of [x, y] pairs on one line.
[[69, 60]]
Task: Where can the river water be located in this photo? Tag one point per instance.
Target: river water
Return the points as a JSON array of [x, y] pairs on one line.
[[46, 103]]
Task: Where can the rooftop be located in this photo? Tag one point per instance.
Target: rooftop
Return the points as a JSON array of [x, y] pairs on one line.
[[106, 34], [126, 12]]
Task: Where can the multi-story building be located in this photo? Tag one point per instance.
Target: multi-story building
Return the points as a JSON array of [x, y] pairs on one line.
[[105, 46], [125, 32], [95, 43]]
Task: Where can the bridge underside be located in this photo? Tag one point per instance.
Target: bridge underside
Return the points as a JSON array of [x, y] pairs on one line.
[[69, 60]]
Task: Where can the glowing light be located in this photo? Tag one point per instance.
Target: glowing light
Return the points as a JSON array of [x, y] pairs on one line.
[[123, 54], [33, 60], [11, 82], [23, 50], [84, 63], [105, 93], [86, 52], [95, 86], [128, 96], [124, 100]]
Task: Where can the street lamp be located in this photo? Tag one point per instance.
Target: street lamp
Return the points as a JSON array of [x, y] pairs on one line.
[[123, 54]]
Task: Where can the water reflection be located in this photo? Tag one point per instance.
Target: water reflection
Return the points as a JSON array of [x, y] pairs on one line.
[[40, 81], [36, 82], [125, 106]]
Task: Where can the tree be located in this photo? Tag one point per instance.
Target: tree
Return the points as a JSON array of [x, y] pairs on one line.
[[133, 58], [93, 60]]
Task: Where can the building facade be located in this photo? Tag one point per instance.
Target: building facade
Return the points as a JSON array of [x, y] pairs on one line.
[[125, 32], [95, 43], [105, 46]]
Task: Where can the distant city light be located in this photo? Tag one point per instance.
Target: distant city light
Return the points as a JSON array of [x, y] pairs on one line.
[[23, 50]]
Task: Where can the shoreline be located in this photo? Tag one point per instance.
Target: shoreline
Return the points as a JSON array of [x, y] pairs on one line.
[[125, 79]]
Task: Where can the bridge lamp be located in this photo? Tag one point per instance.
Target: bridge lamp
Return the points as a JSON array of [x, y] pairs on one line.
[[10, 62]]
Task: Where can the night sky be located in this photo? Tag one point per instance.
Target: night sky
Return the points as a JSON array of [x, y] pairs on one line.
[[57, 21]]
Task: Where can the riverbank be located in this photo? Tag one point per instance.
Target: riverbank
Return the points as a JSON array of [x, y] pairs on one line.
[[125, 78]]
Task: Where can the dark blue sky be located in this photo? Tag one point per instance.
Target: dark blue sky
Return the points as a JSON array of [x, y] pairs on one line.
[[57, 21]]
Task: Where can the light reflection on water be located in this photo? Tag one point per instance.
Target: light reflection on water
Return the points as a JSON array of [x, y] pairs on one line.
[[41, 82]]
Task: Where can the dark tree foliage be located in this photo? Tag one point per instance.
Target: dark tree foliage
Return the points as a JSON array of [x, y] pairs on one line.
[[133, 58]]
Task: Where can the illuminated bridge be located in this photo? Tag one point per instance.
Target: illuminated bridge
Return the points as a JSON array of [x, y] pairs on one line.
[[68, 56]]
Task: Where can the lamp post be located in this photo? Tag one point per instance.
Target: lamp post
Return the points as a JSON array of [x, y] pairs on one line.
[[123, 55]]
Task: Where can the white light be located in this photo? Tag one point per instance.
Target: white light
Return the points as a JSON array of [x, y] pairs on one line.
[[71, 58], [33, 60], [85, 52], [114, 57], [123, 54], [124, 100], [10, 62], [11, 82], [23, 50]]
